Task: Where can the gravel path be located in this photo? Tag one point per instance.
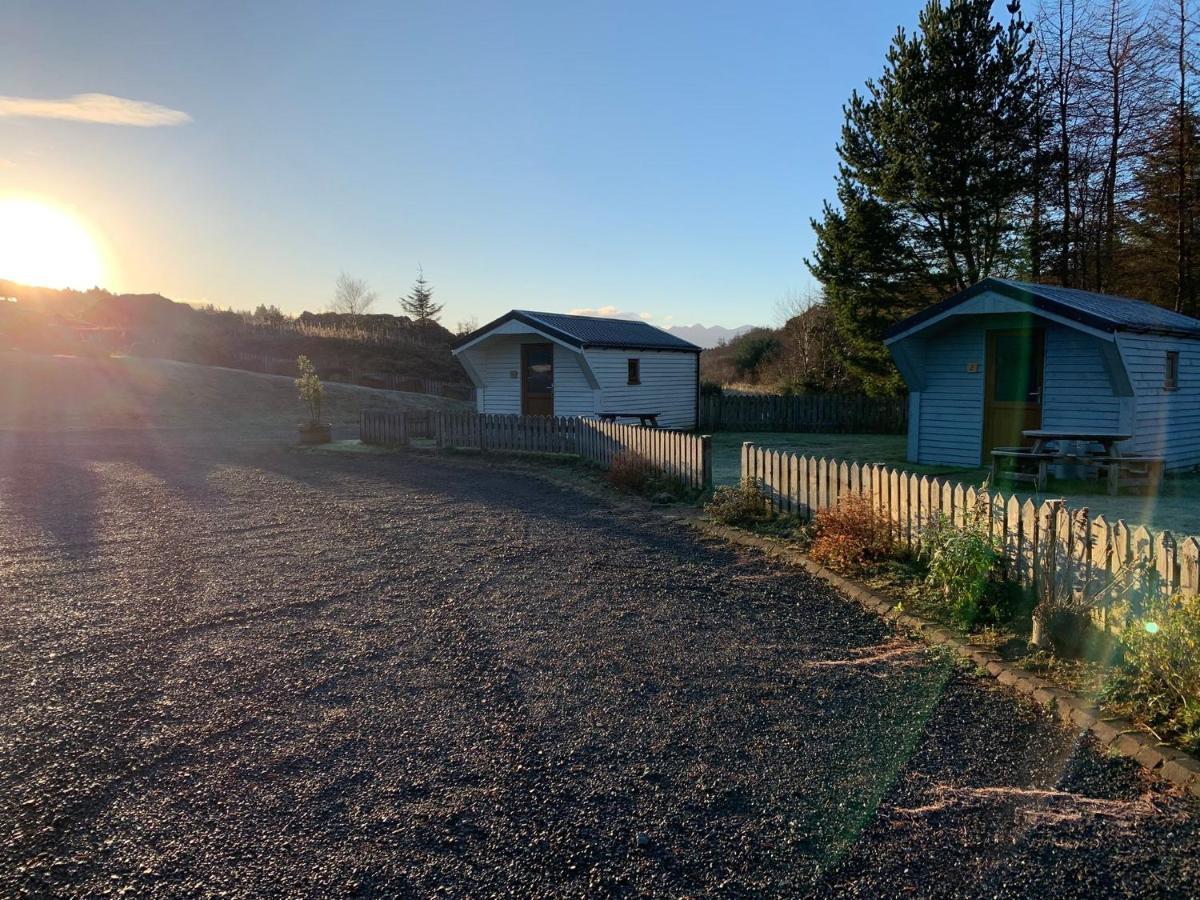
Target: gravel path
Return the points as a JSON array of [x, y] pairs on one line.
[[257, 671]]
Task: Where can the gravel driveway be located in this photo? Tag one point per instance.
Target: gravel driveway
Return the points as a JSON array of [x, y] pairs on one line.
[[257, 671]]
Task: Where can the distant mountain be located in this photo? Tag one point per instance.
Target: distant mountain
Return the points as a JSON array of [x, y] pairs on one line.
[[707, 335]]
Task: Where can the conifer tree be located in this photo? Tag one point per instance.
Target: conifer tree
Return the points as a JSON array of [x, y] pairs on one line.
[[936, 166], [419, 302]]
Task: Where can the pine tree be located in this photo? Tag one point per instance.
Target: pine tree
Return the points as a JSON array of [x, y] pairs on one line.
[[871, 277], [419, 302], [1164, 249], [936, 169]]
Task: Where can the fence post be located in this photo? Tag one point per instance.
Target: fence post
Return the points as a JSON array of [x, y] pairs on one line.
[[706, 477]]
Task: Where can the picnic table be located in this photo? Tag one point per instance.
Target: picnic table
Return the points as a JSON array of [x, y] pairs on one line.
[[648, 419], [1053, 446]]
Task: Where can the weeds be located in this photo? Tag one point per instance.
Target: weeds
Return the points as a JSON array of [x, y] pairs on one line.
[[635, 474], [742, 505], [1159, 680], [962, 562]]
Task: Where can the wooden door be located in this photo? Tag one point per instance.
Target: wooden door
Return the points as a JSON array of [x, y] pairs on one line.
[[1013, 387], [537, 379]]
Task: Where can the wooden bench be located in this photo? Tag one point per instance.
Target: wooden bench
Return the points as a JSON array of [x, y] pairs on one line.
[[1127, 471], [647, 419], [1025, 465]]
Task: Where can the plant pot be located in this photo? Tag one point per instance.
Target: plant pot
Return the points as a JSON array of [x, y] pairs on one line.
[[315, 433]]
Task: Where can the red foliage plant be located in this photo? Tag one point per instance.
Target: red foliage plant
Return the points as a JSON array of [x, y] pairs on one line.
[[851, 537]]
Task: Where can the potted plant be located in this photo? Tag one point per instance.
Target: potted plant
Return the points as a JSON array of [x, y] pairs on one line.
[[314, 431]]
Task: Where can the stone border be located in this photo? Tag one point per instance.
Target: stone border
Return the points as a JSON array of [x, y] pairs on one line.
[[1117, 735]]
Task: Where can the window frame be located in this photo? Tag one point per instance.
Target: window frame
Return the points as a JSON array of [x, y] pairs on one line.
[[1171, 371], [633, 371]]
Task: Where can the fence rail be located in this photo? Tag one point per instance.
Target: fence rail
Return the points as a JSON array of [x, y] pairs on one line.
[[1046, 546], [686, 457], [839, 413]]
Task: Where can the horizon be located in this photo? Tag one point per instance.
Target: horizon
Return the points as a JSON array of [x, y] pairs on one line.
[[659, 165]]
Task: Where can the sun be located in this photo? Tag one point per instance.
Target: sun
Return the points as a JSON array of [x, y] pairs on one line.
[[45, 246]]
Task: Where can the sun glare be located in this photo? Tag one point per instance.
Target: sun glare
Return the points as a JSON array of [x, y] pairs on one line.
[[45, 246]]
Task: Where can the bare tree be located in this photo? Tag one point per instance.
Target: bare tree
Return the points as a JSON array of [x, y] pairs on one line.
[[1057, 37], [1179, 34], [466, 326], [794, 303], [351, 295], [1121, 74]]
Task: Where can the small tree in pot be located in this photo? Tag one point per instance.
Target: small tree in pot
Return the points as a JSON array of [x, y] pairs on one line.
[[314, 431]]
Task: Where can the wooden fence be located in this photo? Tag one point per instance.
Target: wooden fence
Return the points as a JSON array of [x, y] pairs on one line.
[[838, 413], [679, 454], [376, 427], [1046, 547], [687, 457]]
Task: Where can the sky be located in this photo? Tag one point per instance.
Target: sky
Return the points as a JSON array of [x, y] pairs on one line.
[[654, 159]]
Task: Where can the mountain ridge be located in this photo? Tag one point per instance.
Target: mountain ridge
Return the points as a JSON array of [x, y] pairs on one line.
[[707, 336]]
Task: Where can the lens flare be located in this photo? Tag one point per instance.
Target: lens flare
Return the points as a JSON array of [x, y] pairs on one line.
[[1151, 628], [45, 246]]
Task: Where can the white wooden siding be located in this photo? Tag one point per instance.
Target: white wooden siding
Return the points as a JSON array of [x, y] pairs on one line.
[[573, 396], [1166, 423], [668, 384], [498, 357], [668, 380]]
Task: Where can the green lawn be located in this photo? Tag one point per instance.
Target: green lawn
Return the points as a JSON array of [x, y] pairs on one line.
[[1174, 507], [887, 449]]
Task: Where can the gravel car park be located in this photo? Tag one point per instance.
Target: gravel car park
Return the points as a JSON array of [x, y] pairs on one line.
[[240, 669]]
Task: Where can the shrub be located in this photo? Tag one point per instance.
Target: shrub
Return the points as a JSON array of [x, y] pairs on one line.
[[740, 505], [961, 561], [635, 474], [310, 388], [851, 537], [631, 472], [1160, 675]]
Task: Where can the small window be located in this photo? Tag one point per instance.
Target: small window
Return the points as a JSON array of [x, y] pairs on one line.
[[635, 371], [1171, 373]]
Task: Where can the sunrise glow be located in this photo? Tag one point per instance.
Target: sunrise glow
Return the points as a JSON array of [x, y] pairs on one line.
[[41, 244]]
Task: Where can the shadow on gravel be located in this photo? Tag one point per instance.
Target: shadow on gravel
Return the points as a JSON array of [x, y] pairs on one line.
[[305, 675]]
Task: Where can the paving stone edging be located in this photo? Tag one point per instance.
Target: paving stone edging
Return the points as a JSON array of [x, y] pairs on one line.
[[1117, 735]]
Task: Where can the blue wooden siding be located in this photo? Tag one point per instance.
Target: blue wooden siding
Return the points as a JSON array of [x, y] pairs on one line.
[[1077, 391], [949, 429], [951, 419], [1166, 423]]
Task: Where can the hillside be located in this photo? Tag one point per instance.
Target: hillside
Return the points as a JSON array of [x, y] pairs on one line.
[[64, 393], [802, 356], [373, 350]]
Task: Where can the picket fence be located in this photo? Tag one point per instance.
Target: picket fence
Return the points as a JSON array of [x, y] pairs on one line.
[[836, 413], [684, 456], [1046, 547]]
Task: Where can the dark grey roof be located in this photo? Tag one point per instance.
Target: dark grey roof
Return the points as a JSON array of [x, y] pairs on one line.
[[592, 331], [1101, 311]]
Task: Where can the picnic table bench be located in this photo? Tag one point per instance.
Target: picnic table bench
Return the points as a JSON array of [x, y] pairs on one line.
[[648, 419], [1052, 447]]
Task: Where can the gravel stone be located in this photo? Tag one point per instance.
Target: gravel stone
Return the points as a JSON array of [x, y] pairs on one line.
[[240, 670]]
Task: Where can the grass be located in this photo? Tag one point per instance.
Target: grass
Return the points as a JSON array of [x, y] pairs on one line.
[[888, 449], [1173, 507], [70, 393]]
